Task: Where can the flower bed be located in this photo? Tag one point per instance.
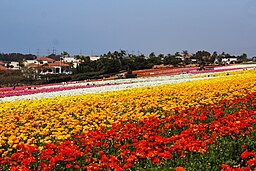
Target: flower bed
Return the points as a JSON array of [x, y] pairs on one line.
[[203, 125]]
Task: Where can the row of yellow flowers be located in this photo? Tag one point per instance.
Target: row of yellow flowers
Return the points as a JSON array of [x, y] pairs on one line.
[[43, 121]]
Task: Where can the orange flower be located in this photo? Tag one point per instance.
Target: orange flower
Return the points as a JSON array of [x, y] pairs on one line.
[[180, 169]]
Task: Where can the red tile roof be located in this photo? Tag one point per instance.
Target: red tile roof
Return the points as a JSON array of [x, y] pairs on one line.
[[2, 63], [2, 68], [188, 56], [45, 59], [57, 63]]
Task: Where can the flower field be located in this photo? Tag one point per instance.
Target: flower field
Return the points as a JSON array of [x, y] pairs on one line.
[[197, 125]]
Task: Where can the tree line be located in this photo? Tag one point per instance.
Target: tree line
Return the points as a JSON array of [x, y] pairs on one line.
[[114, 62], [8, 57]]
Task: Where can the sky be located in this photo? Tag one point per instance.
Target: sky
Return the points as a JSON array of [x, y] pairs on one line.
[[94, 27]]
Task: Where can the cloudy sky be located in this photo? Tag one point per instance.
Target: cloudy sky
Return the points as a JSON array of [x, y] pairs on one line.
[[94, 27]]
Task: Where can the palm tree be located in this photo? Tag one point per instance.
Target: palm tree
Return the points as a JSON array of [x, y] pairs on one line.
[[185, 52]]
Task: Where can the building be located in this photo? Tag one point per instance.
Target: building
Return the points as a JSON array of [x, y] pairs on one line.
[[57, 67], [14, 65], [74, 62], [229, 60], [44, 60], [28, 62], [94, 58], [46, 66]]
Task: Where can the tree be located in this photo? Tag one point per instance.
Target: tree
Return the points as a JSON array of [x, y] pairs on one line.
[[202, 57], [185, 52], [177, 54], [65, 53], [85, 64], [213, 57], [242, 57], [171, 60], [152, 55], [155, 60]]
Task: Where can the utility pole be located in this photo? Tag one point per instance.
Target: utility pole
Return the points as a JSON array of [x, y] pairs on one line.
[[37, 52], [53, 51]]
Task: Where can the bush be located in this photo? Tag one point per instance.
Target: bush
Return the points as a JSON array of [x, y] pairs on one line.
[[130, 75], [58, 78]]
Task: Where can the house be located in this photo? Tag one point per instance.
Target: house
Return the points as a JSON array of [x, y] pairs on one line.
[[58, 67], [28, 62], [94, 58], [72, 61], [14, 65], [187, 56], [229, 60], [46, 65], [254, 58], [44, 60], [55, 67], [76, 61]]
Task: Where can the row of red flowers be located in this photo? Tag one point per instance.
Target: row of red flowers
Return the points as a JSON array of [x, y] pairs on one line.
[[182, 139]]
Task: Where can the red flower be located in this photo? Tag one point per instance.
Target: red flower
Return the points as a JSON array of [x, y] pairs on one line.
[[155, 160], [77, 167], [68, 166], [100, 153], [225, 167], [245, 154]]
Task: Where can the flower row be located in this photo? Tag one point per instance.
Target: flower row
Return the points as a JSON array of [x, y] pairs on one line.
[[41, 121], [221, 134]]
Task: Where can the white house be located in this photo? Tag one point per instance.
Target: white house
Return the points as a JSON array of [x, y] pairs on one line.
[[71, 60], [94, 58], [75, 62], [230, 60], [28, 62], [14, 65]]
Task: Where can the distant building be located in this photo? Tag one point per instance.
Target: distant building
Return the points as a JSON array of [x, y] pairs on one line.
[[230, 60], [187, 56], [28, 62], [46, 65], [74, 61], [226, 60], [45, 60], [57, 67], [14, 65], [94, 58]]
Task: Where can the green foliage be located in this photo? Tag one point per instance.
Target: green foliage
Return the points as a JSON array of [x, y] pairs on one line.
[[13, 77], [16, 57]]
